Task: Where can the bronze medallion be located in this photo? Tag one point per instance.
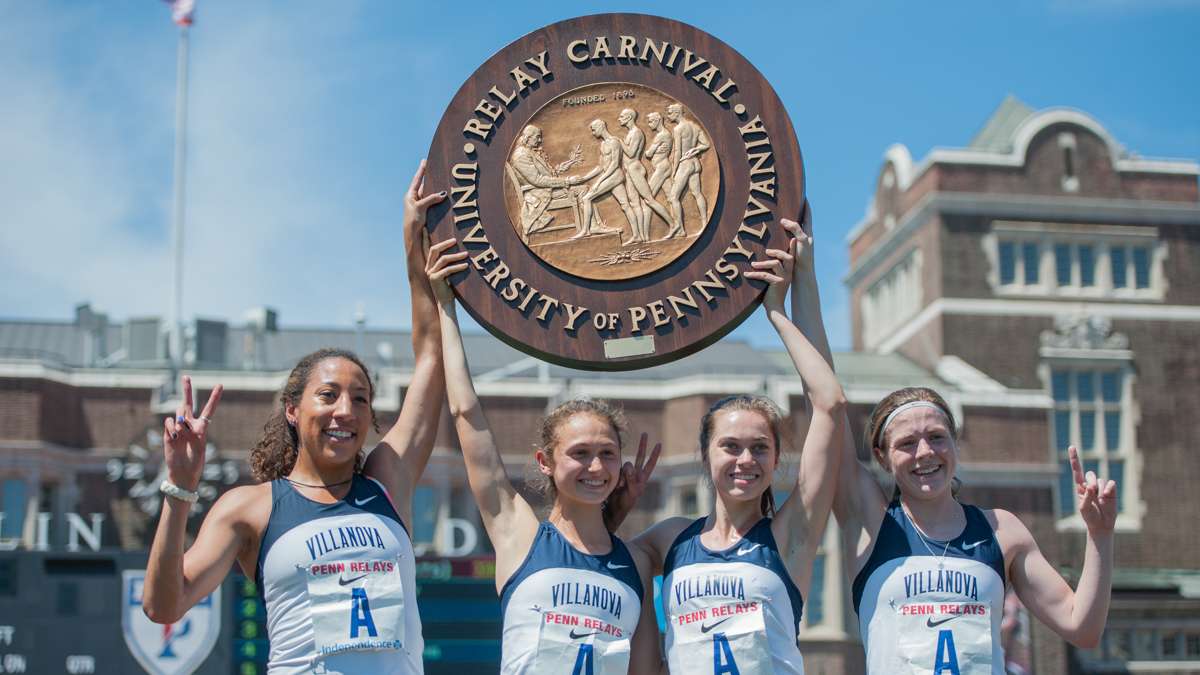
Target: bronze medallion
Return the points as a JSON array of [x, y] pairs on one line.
[[628, 202], [612, 177]]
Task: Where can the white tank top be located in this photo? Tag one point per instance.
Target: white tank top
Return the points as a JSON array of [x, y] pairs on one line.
[[339, 584], [731, 611], [922, 612], [570, 613]]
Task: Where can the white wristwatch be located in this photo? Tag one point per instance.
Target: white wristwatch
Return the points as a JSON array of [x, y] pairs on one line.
[[172, 490]]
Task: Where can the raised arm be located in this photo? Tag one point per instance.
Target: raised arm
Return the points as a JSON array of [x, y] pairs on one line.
[[801, 519], [1078, 616], [858, 502], [176, 581], [509, 520], [400, 458]]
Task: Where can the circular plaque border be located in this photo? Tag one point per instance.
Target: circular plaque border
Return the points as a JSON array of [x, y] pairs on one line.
[[565, 319]]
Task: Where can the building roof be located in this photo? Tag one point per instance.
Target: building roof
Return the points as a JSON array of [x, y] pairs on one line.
[[64, 344], [997, 133]]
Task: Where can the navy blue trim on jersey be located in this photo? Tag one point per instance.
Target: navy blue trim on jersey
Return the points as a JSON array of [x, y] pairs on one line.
[[899, 538], [551, 550], [757, 547], [289, 508]]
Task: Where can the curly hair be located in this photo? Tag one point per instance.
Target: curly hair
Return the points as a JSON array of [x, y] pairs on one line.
[[274, 455], [548, 434], [759, 404], [874, 435]]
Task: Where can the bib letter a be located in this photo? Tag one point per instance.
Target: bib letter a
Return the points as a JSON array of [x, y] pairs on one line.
[[946, 660], [360, 613]]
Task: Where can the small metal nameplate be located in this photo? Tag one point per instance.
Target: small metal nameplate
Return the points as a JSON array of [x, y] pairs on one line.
[[640, 345]]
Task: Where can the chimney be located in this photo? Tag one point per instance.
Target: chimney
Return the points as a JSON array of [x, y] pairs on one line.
[[93, 332], [145, 339], [211, 339], [259, 322]]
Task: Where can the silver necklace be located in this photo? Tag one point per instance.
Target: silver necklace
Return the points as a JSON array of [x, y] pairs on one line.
[[925, 539]]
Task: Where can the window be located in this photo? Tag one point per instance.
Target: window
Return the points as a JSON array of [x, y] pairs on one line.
[[1130, 267], [814, 600], [1019, 263], [1008, 262], [13, 508], [1087, 266], [1062, 264], [689, 501], [1147, 642], [1067, 260], [1141, 266], [1116, 256], [424, 514], [1029, 260], [893, 298], [1070, 180], [1090, 413]]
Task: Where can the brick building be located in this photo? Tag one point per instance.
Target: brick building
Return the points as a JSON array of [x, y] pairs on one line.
[[1058, 266], [1039, 278]]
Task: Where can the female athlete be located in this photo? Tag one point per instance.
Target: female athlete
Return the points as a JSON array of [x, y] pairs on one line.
[[325, 534]]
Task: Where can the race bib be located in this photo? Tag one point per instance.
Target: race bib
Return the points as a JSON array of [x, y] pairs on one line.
[[944, 638], [573, 644], [356, 605], [729, 638]]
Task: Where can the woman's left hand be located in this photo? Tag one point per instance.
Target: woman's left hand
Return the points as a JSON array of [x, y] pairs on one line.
[[1097, 498], [441, 266], [776, 271], [634, 478], [803, 233], [416, 205]]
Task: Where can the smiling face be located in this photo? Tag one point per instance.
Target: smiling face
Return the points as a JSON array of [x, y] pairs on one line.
[[919, 451], [742, 454], [585, 461], [333, 415]]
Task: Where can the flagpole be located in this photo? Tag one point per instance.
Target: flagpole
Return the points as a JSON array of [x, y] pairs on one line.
[[181, 82]]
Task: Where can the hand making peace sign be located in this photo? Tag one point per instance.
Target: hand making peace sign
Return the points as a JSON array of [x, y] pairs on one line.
[[634, 478], [185, 435]]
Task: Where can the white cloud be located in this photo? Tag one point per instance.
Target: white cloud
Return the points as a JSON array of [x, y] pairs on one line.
[[281, 209], [69, 184]]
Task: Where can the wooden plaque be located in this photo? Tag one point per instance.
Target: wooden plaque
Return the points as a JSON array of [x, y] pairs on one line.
[[612, 177]]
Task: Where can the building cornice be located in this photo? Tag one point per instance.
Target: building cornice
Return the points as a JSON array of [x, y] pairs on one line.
[[1033, 308], [1029, 207]]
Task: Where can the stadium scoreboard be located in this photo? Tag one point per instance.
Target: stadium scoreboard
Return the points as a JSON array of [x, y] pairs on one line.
[[62, 613]]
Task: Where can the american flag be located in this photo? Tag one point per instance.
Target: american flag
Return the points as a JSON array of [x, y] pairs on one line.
[[182, 11]]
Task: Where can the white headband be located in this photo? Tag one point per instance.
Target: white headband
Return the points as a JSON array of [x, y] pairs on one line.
[[907, 406]]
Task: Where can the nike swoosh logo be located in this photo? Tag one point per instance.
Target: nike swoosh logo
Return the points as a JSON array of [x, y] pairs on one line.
[[343, 581], [575, 636], [968, 547], [747, 549], [611, 566], [360, 502], [930, 623], [705, 629]]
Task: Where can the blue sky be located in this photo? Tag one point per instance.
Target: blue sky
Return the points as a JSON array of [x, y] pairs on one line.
[[308, 118]]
